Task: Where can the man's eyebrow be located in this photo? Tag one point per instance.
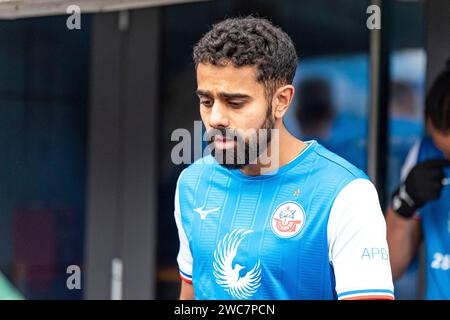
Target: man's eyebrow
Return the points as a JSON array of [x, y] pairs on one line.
[[224, 95], [203, 93], [234, 95]]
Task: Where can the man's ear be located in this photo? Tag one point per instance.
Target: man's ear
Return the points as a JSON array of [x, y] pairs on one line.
[[281, 100]]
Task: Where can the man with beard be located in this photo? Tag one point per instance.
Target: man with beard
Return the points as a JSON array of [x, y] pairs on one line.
[[267, 216]]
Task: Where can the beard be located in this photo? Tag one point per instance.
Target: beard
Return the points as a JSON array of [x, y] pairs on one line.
[[244, 151]]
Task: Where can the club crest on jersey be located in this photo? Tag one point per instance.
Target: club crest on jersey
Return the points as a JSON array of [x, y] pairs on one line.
[[288, 219]]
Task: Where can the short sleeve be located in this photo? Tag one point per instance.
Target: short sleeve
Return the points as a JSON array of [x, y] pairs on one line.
[[184, 257], [358, 249]]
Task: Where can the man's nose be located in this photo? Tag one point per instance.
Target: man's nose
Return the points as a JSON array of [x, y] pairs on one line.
[[218, 116]]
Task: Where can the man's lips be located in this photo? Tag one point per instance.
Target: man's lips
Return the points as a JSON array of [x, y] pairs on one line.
[[223, 143]]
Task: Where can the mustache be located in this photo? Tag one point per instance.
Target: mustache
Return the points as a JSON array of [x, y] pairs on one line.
[[230, 134]]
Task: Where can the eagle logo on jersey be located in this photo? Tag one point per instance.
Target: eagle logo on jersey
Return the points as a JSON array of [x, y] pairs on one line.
[[288, 219], [229, 277]]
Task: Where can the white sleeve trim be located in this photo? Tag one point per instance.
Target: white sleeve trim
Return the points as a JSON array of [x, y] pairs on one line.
[[184, 257], [358, 250]]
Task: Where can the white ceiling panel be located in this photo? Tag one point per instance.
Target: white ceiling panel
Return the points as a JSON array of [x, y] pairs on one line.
[[11, 9]]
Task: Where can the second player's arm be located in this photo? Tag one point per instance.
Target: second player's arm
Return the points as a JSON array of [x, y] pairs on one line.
[[423, 184], [404, 237]]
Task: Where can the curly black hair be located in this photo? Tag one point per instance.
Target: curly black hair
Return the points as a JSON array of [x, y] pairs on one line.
[[250, 41], [437, 104]]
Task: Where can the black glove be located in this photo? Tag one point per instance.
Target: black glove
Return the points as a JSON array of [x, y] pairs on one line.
[[423, 184]]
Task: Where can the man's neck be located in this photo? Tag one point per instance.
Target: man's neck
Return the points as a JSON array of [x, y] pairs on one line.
[[289, 147]]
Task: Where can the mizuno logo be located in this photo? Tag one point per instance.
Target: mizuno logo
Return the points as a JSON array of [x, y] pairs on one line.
[[204, 213]]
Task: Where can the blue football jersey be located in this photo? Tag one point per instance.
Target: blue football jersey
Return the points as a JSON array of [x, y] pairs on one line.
[[312, 230], [435, 219]]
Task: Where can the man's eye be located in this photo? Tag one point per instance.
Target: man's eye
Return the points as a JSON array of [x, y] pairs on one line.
[[206, 103], [235, 104]]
